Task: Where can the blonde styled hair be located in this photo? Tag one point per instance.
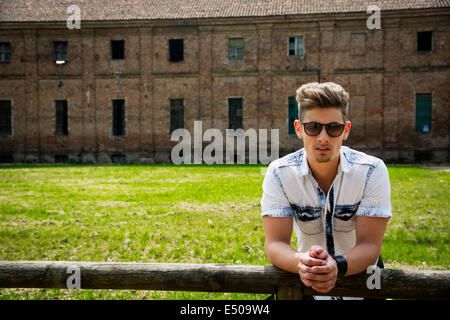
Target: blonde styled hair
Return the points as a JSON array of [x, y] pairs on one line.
[[322, 95]]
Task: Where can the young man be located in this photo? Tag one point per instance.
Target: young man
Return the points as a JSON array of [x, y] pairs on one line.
[[336, 199]]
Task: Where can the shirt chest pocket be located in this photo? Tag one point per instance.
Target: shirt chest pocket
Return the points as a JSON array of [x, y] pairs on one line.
[[344, 217], [309, 219]]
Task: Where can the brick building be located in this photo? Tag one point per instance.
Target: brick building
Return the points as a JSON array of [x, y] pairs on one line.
[[114, 89]]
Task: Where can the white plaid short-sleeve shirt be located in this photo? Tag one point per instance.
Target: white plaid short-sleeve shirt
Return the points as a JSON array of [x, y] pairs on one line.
[[361, 188]]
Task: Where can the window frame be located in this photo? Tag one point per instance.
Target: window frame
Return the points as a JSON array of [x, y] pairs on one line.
[[423, 112], [232, 118], [114, 47], [176, 55], [5, 50], [176, 114], [418, 48], [8, 131], [116, 103], [61, 118], [60, 49], [292, 117], [296, 46], [235, 52]]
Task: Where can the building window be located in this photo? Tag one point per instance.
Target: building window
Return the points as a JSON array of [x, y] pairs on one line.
[[5, 118], [117, 49], [423, 112], [424, 40], [296, 46], [118, 117], [235, 48], [292, 114], [176, 48], [176, 114], [61, 128], [235, 113], [60, 52], [5, 52]]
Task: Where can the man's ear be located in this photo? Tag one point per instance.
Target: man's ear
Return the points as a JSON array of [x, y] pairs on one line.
[[298, 129], [348, 125]]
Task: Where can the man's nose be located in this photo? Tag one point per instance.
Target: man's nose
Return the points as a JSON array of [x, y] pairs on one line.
[[323, 135]]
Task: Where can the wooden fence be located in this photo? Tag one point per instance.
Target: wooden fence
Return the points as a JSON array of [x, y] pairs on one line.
[[396, 284]]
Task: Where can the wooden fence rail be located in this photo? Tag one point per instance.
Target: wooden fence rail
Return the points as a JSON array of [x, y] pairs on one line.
[[397, 284]]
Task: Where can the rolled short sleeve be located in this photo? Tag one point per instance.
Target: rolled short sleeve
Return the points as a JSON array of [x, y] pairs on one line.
[[274, 202], [376, 201]]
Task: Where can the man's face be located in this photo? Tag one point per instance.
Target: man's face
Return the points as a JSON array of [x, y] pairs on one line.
[[322, 148]]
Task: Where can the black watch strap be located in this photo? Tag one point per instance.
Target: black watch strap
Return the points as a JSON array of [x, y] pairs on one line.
[[341, 265]]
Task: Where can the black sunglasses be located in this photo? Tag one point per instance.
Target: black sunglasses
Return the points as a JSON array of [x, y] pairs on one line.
[[334, 129]]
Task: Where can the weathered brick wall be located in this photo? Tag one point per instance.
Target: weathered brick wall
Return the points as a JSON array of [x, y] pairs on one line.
[[381, 69]]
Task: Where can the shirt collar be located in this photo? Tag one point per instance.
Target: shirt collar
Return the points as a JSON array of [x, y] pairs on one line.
[[344, 166], [304, 167]]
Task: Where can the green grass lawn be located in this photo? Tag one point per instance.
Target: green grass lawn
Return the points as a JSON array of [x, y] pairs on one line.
[[183, 214]]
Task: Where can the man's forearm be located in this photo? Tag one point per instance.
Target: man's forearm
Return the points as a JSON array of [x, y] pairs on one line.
[[281, 255], [361, 257]]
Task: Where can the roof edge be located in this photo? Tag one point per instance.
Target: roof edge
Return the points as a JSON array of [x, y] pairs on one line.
[[394, 13]]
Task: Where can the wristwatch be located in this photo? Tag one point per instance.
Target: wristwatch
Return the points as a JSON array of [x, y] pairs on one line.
[[341, 265]]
